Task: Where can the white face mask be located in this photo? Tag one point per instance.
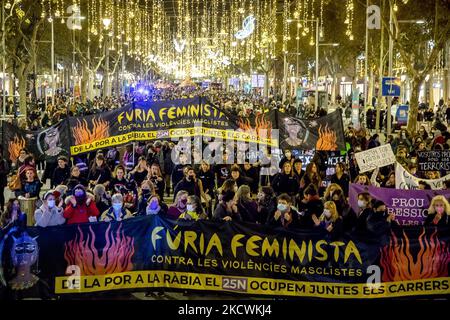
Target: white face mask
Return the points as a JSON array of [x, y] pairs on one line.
[[190, 208], [117, 206], [51, 203], [327, 213], [361, 204]]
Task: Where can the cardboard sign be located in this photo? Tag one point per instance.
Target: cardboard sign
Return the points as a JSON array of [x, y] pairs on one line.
[[375, 158]]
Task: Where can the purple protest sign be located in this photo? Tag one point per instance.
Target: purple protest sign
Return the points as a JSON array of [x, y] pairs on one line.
[[408, 205]]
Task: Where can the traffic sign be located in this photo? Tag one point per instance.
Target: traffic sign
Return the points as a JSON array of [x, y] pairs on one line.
[[391, 87]]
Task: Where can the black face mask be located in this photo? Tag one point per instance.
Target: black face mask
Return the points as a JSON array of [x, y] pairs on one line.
[[383, 213]]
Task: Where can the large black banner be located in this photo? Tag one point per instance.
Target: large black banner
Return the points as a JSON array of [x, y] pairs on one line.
[[43, 144], [324, 134], [151, 252], [433, 160], [156, 120]]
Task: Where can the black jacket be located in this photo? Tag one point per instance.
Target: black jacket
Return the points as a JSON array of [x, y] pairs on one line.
[[207, 179], [361, 223], [190, 186], [102, 174], [283, 183], [60, 175], [253, 174], [343, 182], [221, 212], [294, 224], [307, 210], [177, 174], [4, 171], [444, 221], [248, 211]]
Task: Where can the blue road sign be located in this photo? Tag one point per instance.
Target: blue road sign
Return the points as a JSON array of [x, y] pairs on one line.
[[391, 87]]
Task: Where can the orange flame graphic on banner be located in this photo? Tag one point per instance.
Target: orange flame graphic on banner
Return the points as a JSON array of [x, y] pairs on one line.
[[260, 124], [15, 146], [398, 263], [115, 258], [82, 134], [327, 139]]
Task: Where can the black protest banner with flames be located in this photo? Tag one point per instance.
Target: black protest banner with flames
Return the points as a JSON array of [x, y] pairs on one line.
[[152, 252]]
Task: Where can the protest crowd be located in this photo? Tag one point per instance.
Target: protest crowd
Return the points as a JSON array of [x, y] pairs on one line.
[[141, 179]]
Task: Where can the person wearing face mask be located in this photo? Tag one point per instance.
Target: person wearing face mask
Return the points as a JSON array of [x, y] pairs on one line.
[[156, 206], [194, 210], [189, 183], [360, 218], [147, 191], [50, 213], [13, 216], [330, 221], [117, 212], [227, 209], [380, 222], [285, 216], [287, 158], [438, 214], [179, 205], [80, 208], [267, 204]]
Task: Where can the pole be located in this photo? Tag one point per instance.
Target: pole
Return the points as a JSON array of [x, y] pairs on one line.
[[3, 61], [297, 61], [73, 64], [391, 49], [317, 65], [284, 76], [380, 97], [366, 56], [107, 69], [53, 64], [123, 70]]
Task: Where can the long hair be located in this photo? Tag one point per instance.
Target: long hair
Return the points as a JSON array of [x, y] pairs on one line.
[[198, 204], [292, 168], [243, 193], [228, 185], [332, 186], [99, 191], [179, 195], [159, 174], [119, 167], [442, 199], [362, 175], [330, 205], [7, 214]]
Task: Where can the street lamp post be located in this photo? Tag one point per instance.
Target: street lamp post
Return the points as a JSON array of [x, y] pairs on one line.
[[53, 63], [316, 102], [106, 23], [3, 60]]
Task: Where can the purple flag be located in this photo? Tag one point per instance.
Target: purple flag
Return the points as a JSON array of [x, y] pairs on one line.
[[408, 205]]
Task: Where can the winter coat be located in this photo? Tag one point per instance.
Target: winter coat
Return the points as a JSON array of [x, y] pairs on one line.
[[80, 213], [48, 217]]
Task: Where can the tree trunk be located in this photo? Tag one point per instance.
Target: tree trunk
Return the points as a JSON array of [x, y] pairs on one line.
[[84, 83], [23, 95], [414, 104]]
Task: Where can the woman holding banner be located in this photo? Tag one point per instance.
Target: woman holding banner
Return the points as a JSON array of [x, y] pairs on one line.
[[438, 214]]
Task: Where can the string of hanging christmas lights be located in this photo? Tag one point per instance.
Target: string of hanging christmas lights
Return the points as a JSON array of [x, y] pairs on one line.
[[170, 39]]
